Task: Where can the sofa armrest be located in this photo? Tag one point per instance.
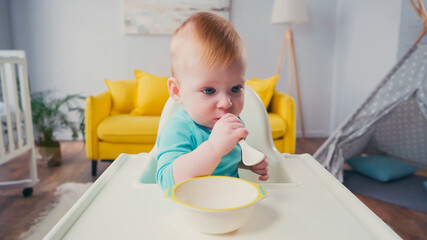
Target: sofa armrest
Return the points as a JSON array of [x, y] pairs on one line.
[[284, 105], [98, 107]]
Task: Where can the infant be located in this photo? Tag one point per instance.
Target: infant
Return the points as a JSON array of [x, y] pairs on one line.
[[208, 68]]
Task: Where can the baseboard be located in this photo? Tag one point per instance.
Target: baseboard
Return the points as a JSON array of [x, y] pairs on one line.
[[66, 136], [314, 134]]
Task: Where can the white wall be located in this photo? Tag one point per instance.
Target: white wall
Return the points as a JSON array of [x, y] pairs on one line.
[[314, 46], [366, 42], [5, 26], [73, 45]]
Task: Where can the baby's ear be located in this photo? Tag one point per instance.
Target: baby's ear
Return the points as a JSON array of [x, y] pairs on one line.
[[173, 87]]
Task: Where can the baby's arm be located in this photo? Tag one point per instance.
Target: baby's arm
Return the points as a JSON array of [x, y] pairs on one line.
[[203, 160]]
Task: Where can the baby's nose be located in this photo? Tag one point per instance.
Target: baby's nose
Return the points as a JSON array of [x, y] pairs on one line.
[[224, 102]]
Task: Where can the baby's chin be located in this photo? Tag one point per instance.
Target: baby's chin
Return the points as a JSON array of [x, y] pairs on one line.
[[210, 126]]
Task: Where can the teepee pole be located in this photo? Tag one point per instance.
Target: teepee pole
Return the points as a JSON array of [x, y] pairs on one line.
[[419, 9], [416, 8], [421, 35]]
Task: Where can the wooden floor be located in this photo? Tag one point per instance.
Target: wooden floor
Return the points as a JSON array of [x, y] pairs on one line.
[[18, 213]]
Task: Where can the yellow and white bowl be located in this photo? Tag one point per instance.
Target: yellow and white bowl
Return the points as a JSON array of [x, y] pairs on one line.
[[216, 204]]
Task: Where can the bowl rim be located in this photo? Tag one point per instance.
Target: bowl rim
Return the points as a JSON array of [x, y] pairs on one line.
[[170, 194]]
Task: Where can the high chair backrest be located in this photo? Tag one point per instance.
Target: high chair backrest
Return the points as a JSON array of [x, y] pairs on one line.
[[255, 117]]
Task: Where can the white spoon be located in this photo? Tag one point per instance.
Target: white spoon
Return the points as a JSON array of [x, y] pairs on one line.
[[250, 156]]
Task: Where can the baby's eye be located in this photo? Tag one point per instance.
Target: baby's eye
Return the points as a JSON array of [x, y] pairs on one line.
[[236, 89], [209, 91]]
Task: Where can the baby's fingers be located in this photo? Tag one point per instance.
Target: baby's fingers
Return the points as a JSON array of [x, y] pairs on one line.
[[240, 133], [264, 177], [262, 165], [261, 172], [229, 117]]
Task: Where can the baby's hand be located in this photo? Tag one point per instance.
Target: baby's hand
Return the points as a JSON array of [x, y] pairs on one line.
[[261, 169], [226, 133]]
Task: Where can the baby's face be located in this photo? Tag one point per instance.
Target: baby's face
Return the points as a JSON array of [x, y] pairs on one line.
[[209, 94]]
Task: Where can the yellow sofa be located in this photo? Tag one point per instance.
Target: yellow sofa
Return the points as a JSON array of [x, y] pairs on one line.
[[108, 135]]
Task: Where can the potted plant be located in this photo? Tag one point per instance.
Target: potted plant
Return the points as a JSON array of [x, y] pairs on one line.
[[50, 115]]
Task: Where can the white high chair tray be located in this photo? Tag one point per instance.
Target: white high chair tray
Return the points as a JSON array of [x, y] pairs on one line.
[[118, 206]]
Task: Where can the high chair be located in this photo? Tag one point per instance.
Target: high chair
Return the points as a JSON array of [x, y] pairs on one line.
[[304, 200]]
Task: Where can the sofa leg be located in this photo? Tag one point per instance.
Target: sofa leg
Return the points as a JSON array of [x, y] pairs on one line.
[[94, 167]]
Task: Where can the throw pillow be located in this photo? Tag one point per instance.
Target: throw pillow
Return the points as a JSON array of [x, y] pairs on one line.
[[381, 168], [122, 94], [151, 94], [264, 88]]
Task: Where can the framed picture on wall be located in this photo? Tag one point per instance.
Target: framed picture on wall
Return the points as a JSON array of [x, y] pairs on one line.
[[160, 17]]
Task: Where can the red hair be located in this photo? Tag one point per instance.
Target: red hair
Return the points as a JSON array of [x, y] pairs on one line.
[[213, 37]]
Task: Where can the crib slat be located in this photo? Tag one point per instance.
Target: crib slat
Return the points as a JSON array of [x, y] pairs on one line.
[[26, 108], [2, 146], [26, 102], [17, 108], [11, 145]]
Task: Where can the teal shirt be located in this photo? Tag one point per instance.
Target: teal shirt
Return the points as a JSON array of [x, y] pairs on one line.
[[181, 135]]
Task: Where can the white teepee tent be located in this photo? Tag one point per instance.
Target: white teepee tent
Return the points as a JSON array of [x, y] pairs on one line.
[[393, 119]]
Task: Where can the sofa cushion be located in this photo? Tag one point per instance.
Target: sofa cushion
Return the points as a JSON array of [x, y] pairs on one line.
[[143, 129], [122, 94], [264, 88], [128, 129], [151, 94], [278, 126]]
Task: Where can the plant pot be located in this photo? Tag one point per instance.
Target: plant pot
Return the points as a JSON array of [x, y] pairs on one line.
[[51, 155]]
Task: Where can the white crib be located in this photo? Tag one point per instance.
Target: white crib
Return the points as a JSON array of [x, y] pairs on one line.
[[16, 127]]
